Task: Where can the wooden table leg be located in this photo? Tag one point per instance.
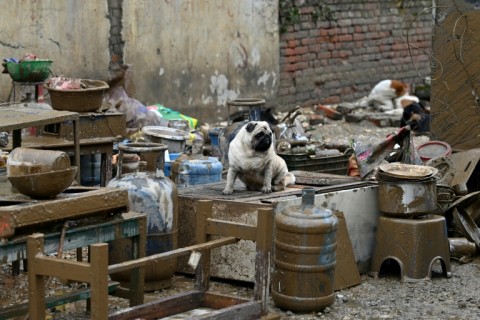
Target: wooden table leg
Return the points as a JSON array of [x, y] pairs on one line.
[[76, 145], [137, 275]]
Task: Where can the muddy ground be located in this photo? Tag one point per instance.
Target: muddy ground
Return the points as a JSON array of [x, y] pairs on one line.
[[386, 297]]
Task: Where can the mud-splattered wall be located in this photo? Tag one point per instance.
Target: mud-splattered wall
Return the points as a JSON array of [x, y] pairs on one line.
[[194, 55], [456, 74], [72, 33]]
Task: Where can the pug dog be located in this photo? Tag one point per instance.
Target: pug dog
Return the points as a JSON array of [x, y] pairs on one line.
[[252, 158]]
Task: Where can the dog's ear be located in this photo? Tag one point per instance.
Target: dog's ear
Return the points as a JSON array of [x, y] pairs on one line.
[[250, 126], [399, 87]]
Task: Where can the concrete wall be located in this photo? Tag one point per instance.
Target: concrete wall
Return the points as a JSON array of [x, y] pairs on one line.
[[194, 55], [72, 33]]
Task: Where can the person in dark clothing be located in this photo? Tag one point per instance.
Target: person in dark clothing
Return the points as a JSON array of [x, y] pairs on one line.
[[417, 116]]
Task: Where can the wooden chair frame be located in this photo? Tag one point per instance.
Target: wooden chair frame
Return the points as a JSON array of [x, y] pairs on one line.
[[96, 272]]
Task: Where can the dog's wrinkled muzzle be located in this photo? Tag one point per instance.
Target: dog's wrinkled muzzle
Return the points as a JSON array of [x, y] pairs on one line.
[[262, 141]]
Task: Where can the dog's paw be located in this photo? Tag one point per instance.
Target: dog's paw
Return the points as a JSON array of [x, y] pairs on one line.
[[278, 187], [227, 191], [266, 190]]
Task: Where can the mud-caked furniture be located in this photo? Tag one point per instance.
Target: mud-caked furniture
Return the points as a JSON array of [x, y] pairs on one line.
[[215, 233], [415, 244], [97, 133], [409, 231], [76, 218], [22, 117], [356, 200]]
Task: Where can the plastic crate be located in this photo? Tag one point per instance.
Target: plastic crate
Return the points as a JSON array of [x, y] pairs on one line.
[[337, 164]]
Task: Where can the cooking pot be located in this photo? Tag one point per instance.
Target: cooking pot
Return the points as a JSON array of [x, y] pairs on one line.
[[407, 198]]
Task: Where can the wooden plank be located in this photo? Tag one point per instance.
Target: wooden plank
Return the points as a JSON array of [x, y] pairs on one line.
[[455, 101], [226, 307], [245, 311], [61, 268], [65, 206], [219, 301], [137, 275], [346, 270], [127, 265], [228, 228], [162, 308], [20, 117], [321, 179]]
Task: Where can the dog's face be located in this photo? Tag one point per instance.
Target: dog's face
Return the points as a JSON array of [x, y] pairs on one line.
[[260, 135]]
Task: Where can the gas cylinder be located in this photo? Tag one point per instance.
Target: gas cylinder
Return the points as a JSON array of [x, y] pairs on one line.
[[151, 193], [304, 256]]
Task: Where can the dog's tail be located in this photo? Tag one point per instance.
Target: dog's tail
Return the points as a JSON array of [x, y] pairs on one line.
[[288, 179]]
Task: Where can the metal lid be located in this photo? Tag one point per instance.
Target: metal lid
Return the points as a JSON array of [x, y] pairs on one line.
[[403, 171], [165, 132]]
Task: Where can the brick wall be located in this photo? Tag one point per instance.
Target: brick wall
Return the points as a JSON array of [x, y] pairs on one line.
[[336, 50]]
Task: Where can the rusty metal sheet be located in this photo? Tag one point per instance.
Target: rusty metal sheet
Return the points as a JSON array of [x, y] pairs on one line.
[[346, 269], [321, 179], [464, 162]]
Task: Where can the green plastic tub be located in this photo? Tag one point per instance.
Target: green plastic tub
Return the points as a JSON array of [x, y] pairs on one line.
[[29, 70]]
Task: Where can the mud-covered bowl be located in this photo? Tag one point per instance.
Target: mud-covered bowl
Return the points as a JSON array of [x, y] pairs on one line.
[[29, 70], [44, 185]]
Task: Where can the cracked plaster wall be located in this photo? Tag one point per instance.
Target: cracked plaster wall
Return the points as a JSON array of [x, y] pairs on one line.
[[194, 55], [72, 33], [188, 55]]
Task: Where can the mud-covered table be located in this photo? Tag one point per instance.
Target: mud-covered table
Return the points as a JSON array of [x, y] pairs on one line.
[[15, 117], [76, 218]]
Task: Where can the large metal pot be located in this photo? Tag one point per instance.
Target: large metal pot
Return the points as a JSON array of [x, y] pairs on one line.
[[407, 198]]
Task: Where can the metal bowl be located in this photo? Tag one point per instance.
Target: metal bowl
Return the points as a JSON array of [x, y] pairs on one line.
[[44, 185], [175, 139], [407, 199]]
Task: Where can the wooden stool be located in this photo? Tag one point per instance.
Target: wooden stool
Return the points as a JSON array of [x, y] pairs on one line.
[[414, 243]]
